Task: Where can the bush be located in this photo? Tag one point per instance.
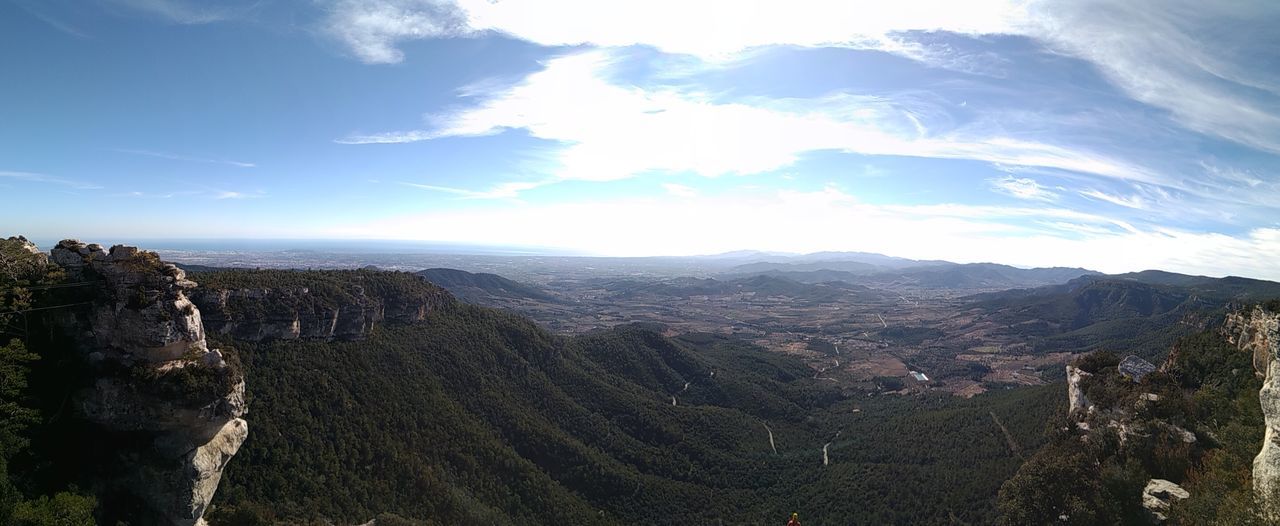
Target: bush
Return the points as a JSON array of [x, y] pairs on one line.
[[64, 509], [1097, 361]]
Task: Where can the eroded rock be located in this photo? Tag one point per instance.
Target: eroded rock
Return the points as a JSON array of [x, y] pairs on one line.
[[1258, 333], [1159, 494], [156, 382], [1079, 406], [298, 313]]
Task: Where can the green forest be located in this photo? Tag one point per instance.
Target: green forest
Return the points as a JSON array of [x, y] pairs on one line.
[[477, 416]]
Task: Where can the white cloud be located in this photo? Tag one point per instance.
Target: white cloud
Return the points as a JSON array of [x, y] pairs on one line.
[[508, 190], [612, 131], [707, 28], [679, 190], [372, 28], [1023, 188], [227, 194], [1203, 62], [175, 157], [44, 178], [183, 12], [1131, 201], [832, 220]]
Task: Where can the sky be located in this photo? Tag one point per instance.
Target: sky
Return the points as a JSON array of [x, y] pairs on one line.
[[1115, 136]]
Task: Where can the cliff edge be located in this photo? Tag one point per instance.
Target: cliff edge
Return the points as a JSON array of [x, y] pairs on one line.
[[1258, 333], [173, 404]]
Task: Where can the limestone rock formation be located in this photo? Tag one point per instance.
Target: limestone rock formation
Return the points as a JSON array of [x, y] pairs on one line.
[[156, 382], [1159, 494], [298, 313], [1078, 405], [1258, 333]]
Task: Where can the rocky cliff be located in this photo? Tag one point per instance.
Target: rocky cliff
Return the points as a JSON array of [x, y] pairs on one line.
[[1258, 333], [172, 404], [344, 311]]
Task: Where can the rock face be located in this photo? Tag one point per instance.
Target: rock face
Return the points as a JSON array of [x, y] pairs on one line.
[[289, 314], [1134, 368], [1159, 494], [1258, 333], [1079, 406], [157, 385]]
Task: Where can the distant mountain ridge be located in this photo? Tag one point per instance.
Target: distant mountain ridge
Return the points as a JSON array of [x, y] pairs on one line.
[[924, 275], [1141, 313], [479, 287], [761, 284]]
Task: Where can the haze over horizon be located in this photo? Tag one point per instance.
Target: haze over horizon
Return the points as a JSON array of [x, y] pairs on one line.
[[1110, 136]]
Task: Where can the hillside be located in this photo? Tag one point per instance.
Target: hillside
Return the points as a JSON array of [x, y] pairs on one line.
[[758, 285], [492, 420], [1142, 313], [926, 276], [481, 288]]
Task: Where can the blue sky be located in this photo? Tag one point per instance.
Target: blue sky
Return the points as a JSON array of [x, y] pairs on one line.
[[1112, 135]]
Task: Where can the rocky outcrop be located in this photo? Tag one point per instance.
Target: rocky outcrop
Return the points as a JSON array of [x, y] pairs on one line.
[[1135, 368], [172, 403], [1158, 495], [1258, 333], [1078, 405], [294, 313]]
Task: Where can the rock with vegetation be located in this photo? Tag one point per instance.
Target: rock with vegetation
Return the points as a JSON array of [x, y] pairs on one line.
[[156, 385], [1258, 334], [290, 305], [1157, 496], [1078, 403], [1178, 442]]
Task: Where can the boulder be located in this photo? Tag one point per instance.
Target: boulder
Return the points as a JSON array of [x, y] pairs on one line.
[[1159, 494], [1134, 368]]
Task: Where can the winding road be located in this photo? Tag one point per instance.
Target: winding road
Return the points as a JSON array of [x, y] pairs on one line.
[[771, 444]]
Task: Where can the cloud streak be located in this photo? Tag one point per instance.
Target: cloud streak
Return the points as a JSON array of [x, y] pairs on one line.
[[175, 157], [1023, 188], [1210, 65], [49, 179], [184, 12], [509, 190], [611, 131]]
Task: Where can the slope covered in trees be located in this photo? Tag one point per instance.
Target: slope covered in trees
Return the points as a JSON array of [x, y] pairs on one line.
[[478, 416]]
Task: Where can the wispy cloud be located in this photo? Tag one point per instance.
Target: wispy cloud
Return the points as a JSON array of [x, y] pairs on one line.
[[612, 131], [158, 195], [1130, 201], [44, 178], [41, 10], [186, 12], [176, 157], [1202, 62], [679, 190], [228, 194], [388, 137], [509, 190], [373, 28], [1023, 188]]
